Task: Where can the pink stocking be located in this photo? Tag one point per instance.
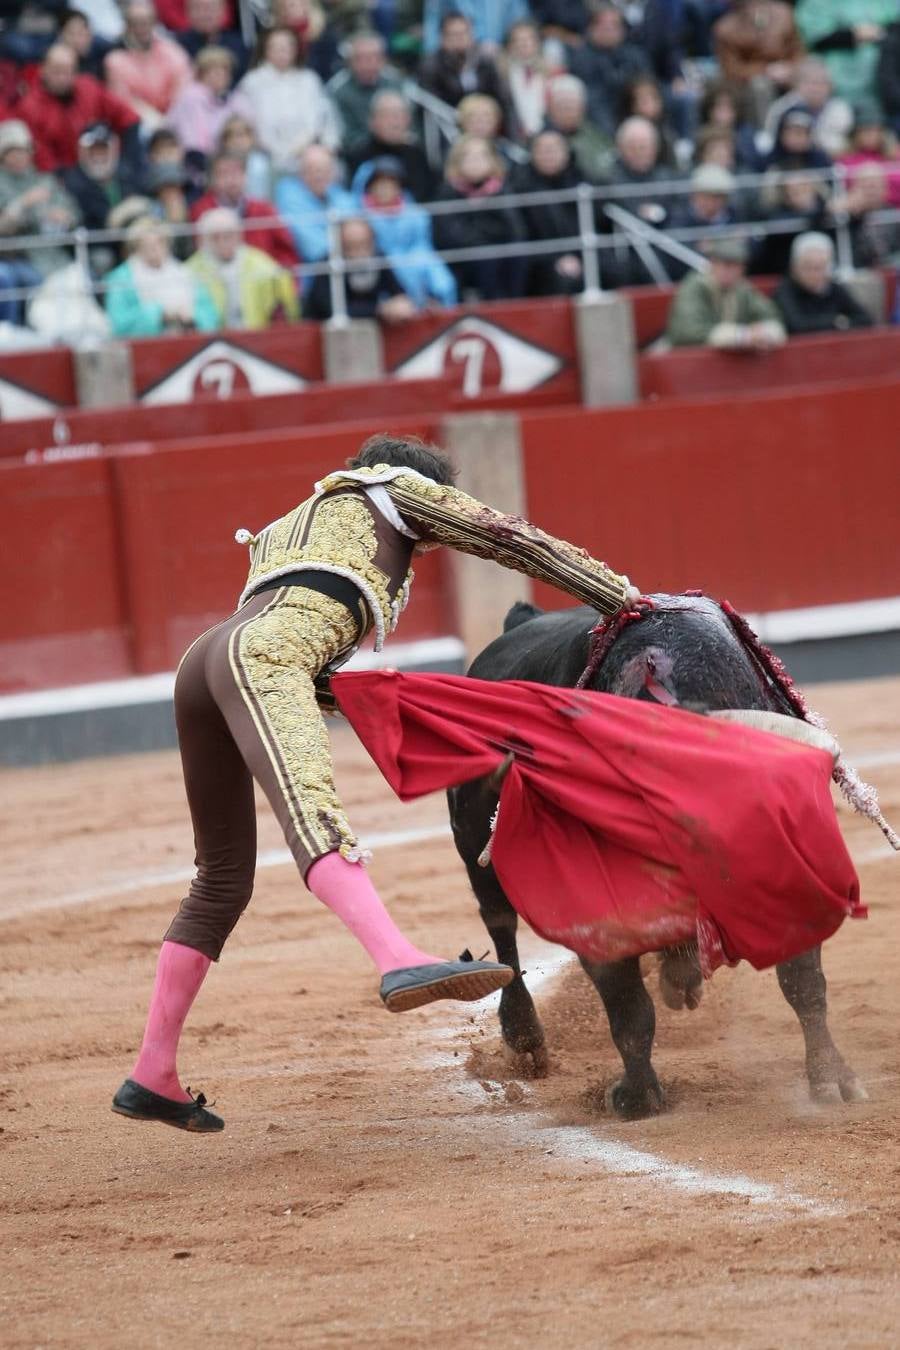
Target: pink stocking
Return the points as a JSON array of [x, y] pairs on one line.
[[179, 974], [347, 891]]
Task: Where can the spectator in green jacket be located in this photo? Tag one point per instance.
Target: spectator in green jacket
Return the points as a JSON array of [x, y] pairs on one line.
[[152, 293], [719, 308]]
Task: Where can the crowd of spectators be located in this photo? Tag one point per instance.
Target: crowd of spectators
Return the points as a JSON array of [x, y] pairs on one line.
[[217, 145]]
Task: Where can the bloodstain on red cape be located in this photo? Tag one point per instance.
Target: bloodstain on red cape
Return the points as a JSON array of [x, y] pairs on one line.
[[625, 827]]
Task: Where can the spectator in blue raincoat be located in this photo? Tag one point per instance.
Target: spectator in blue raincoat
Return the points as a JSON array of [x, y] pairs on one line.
[[402, 231], [304, 201]]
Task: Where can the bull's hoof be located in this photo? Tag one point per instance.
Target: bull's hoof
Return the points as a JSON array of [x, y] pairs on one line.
[[841, 1090], [533, 1063], [630, 1102]]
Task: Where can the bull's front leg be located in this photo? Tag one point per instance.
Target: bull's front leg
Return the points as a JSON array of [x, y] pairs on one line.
[[802, 982], [632, 1022], [520, 1025]]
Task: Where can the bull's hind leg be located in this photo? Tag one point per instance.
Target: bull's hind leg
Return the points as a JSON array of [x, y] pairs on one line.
[[802, 982], [520, 1025], [632, 1021]]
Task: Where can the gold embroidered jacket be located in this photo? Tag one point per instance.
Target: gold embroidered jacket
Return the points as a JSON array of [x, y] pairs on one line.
[[366, 524]]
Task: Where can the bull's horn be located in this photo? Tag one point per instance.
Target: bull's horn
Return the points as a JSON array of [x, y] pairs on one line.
[[793, 728], [496, 778]]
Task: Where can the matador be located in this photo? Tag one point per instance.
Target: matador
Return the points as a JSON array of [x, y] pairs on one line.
[[248, 692]]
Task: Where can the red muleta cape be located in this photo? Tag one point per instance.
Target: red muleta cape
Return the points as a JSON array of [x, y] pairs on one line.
[[624, 826]]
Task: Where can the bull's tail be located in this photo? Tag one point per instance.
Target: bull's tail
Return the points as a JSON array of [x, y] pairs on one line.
[[520, 613]]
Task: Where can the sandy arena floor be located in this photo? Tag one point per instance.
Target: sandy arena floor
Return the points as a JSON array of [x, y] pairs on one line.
[[393, 1181]]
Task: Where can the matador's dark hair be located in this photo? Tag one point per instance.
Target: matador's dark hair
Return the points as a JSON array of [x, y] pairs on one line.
[[404, 452]]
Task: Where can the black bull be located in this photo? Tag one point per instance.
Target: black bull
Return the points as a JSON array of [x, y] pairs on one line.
[[685, 652]]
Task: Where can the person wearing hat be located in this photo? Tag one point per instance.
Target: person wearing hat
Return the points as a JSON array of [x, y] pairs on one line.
[[99, 181], [31, 203], [205, 103], [402, 231], [248, 289], [795, 146], [165, 184], [719, 308]]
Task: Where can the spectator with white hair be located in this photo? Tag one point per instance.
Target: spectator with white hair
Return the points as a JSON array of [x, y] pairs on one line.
[[353, 88], [248, 289], [288, 104], [305, 199], [151, 293], [150, 70], [591, 149], [809, 298]]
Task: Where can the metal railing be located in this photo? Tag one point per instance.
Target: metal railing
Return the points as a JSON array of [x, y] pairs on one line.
[[629, 232]]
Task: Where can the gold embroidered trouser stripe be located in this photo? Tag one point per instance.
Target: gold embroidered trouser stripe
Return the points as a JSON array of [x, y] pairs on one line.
[[274, 657]]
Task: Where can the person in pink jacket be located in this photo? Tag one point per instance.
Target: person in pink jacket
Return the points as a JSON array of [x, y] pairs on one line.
[[207, 102], [151, 69]]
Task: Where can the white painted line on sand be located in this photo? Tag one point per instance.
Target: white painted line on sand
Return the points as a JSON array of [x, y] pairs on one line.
[[175, 876], [584, 1145]]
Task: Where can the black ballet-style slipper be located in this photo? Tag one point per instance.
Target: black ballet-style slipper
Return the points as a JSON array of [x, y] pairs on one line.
[[414, 986], [139, 1103]]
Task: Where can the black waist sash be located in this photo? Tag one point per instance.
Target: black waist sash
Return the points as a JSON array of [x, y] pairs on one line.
[[339, 588]]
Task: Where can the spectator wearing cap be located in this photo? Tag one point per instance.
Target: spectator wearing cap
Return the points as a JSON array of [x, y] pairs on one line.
[[489, 20], [62, 103], [31, 203], [208, 26], [871, 143], [207, 101], [846, 34], [567, 112], [607, 62], [165, 185], [99, 181], [228, 187], [719, 308], [371, 289], [457, 67], [551, 168], [402, 232], [150, 70], [794, 146], [305, 200], [757, 46], [390, 133], [475, 172], [152, 293], [287, 104], [711, 204], [248, 289], [809, 299], [353, 88], [812, 89]]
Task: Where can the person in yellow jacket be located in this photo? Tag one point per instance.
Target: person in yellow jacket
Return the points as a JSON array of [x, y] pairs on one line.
[[248, 289]]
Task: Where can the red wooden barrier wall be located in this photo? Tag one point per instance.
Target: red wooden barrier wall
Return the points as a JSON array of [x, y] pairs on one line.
[[827, 358], [773, 502]]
